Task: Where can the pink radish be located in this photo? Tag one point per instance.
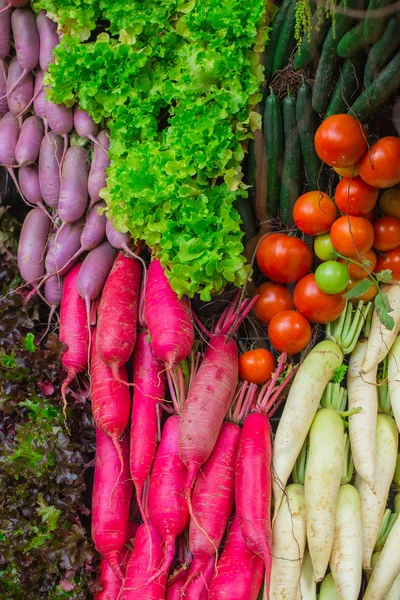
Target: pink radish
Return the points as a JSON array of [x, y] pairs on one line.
[[73, 187], [61, 247], [53, 293], [3, 87], [239, 573], [168, 318], [26, 38], [19, 93], [94, 272], [85, 127], [48, 38], [149, 390], [28, 178], [9, 134], [146, 558], [168, 508], [51, 150], [73, 330], [117, 318], [112, 492], [39, 97], [5, 35], [60, 120], [29, 141], [32, 243], [98, 170], [14, 4]]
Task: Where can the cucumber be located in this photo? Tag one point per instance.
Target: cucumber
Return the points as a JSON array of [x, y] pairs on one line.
[[329, 58], [384, 87], [348, 85], [352, 42], [287, 41], [382, 51], [375, 26], [276, 26], [291, 171], [312, 42], [250, 173], [248, 225], [307, 123], [273, 137]]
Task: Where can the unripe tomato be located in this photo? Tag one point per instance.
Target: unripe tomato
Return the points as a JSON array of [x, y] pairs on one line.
[[389, 202], [256, 366], [351, 171], [274, 298], [340, 141], [332, 277], [323, 246], [289, 332]]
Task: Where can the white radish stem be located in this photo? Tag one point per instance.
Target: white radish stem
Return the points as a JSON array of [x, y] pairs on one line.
[[288, 544], [321, 486], [387, 568], [362, 393], [300, 408], [394, 379], [380, 338], [346, 557], [373, 504]]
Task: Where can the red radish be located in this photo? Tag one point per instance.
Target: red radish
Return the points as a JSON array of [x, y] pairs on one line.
[[73, 329], [32, 243], [253, 486], [9, 133], [168, 508], [146, 558], [174, 589], [149, 381], [73, 187], [19, 93], [26, 39], [117, 317], [239, 573], [39, 97], [3, 87], [198, 586], [168, 318], [211, 510], [98, 170], [111, 499], [51, 150], [48, 38], [29, 141], [111, 402]]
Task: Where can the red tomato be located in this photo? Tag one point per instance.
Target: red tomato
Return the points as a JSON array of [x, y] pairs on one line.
[[351, 171], [314, 304], [391, 261], [340, 141], [289, 332], [352, 236], [387, 233], [361, 272], [389, 202], [370, 216], [366, 297], [283, 258], [355, 197], [380, 166], [314, 213], [256, 366], [274, 298]]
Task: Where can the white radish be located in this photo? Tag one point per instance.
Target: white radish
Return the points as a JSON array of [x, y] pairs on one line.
[[346, 557], [328, 589], [362, 393], [288, 544], [394, 379], [373, 503], [301, 405], [387, 568], [380, 338], [394, 593], [307, 587], [321, 485]]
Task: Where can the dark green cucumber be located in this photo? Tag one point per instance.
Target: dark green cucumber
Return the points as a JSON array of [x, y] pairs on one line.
[[382, 51], [291, 172], [382, 89], [287, 41], [274, 34], [348, 86], [352, 42], [307, 123], [250, 173], [273, 137], [248, 225], [375, 26], [329, 58], [312, 42]]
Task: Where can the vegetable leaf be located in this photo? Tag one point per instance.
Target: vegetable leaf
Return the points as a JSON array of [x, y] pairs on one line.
[[384, 276], [358, 290], [383, 309]]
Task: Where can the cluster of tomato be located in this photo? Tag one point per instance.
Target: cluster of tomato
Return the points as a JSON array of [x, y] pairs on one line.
[[350, 242]]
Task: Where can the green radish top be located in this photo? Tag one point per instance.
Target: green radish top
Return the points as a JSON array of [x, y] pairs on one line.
[[388, 520], [328, 589]]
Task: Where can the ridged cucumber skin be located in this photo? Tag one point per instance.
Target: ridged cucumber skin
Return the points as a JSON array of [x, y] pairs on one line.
[[352, 42], [270, 49], [382, 51], [273, 136], [287, 41], [380, 91], [347, 86], [291, 171], [311, 45], [373, 26], [307, 123], [248, 217]]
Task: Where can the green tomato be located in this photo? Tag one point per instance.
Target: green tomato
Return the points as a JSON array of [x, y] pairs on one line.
[[323, 246], [332, 277]]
